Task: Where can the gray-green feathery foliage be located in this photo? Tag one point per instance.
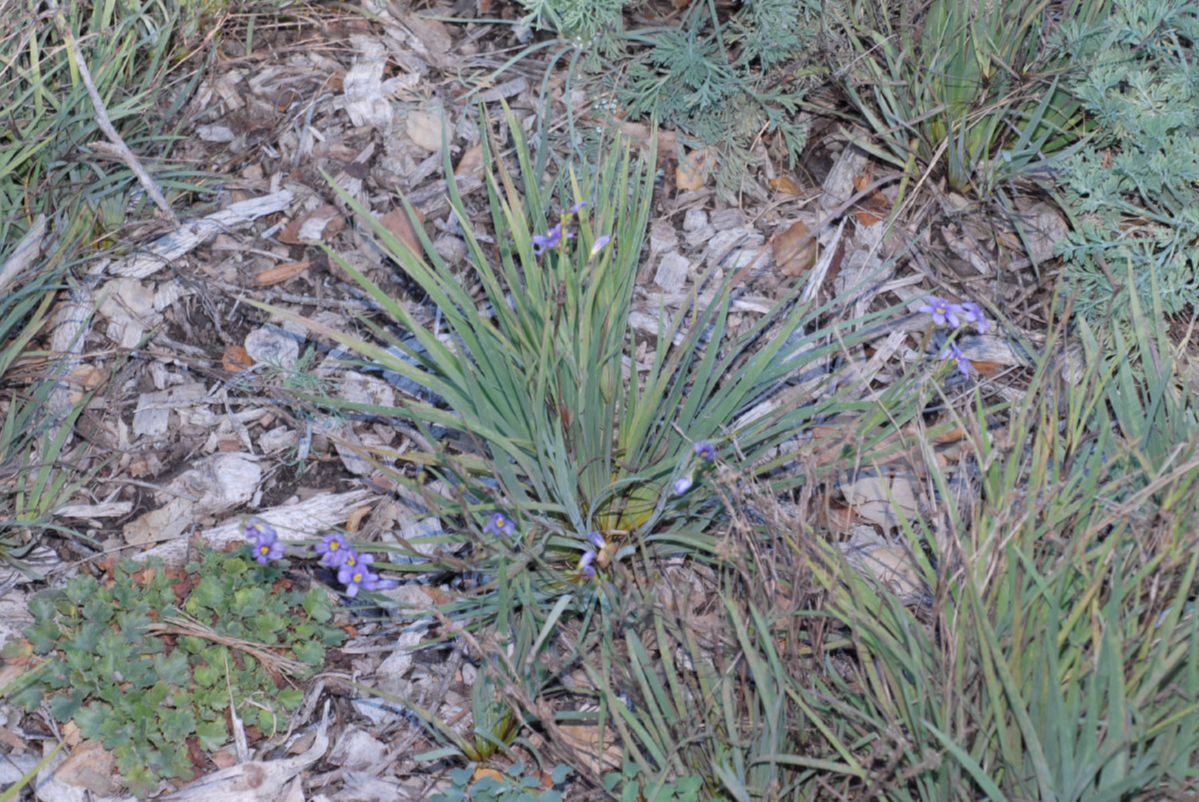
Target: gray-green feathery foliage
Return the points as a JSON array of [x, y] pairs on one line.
[[1131, 189], [721, 81], [723, 84]]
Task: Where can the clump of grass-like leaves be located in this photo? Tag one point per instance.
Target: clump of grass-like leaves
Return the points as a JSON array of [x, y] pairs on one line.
[[557, 453], [1054, 659], [969, 85], [533, 403], [1060, 658]]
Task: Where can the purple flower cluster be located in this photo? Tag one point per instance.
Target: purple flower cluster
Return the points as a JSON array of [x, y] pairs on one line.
[[561, 233], [951, 353], [266, 547], [947, 313], [586, 567], [353, 569], [549, 241]]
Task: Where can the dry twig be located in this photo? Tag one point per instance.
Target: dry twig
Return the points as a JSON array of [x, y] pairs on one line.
[[186, 625], [119, 149]]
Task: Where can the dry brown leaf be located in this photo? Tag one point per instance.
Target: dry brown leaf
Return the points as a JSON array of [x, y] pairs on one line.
[[87, 377], [986, 368], [836, 517], [89, 766], [471, 163], [585, 740], [224, 758], [82, 380], [396, 221], [668, 143], [71, 734], [785, 185], [281, 273], [236, 359], [482, 772], [878, 499], [13, 741], [794, 249], [872, 208], [354, 522], [694, 169], [314, 227]]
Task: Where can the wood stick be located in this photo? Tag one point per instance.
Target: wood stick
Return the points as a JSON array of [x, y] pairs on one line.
[[119, 148]]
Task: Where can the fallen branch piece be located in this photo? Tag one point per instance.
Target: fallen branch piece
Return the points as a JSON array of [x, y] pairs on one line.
[[190, 235]]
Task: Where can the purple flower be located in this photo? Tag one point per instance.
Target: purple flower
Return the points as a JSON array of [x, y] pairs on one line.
[[500, 524], [597, 540], [942, 311], [257, 528], [333, 550], [578, 207], [352, 562], [682, 484], [551, 240], [358, 577], [952, 352], [266, 542], [600, 244], [972, 313], [585, 563], [705, 450]]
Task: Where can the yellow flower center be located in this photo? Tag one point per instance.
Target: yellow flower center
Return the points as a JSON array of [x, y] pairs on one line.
[[357, 578], [334, 545], [264, 549]]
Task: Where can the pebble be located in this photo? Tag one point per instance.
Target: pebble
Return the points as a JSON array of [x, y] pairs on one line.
[[673, 271], [270, 345]]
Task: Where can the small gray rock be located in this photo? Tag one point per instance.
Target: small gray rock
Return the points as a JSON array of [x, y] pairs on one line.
[[673, 271], [270, 345]]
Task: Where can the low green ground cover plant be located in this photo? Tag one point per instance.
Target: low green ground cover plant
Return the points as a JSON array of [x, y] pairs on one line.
[[1131, 188], [148, 659], [514, 785], [723, 83]]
